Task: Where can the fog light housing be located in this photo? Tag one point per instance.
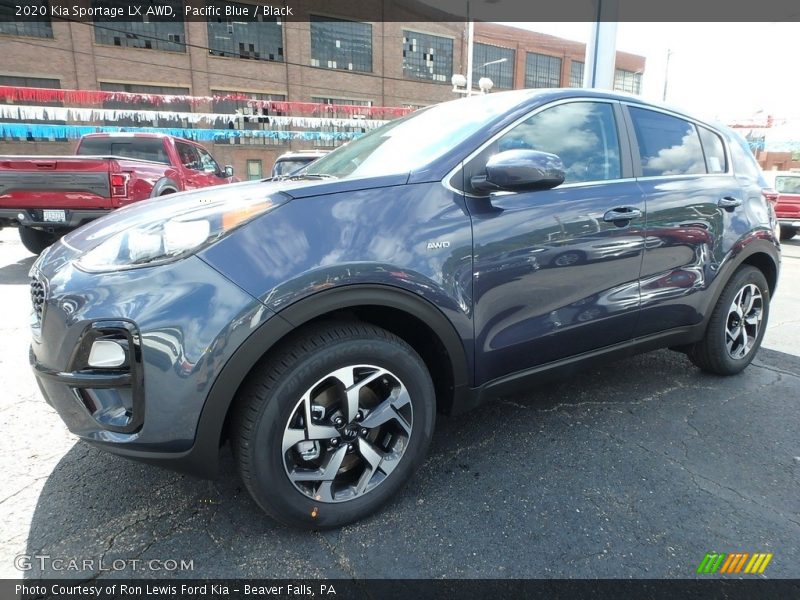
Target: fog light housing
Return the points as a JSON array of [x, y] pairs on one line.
[[106, 354]]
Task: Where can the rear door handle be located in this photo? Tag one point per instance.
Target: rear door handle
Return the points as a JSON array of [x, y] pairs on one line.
[[729, 203], [622, 213]]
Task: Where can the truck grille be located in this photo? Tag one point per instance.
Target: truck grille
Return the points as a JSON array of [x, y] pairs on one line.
[[37, 297]]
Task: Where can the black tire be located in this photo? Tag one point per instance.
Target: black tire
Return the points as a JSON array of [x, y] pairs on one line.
[[569, 258], [269, 401], [787, 233], [711, 353], [36, 240]]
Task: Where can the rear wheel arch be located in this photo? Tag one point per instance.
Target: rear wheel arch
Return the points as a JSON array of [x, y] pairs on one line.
[[164, 186], [415, 320]]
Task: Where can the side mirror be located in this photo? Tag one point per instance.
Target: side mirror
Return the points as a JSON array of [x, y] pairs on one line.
[[520, 170], [228, 171]]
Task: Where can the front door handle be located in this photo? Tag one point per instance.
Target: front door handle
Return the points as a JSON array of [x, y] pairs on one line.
[[622, 213], [729, 203]]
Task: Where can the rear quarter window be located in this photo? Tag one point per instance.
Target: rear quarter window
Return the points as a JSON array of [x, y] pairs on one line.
[[139, 149], [714, 151]]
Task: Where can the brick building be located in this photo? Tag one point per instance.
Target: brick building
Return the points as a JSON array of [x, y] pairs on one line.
[[315, 57]]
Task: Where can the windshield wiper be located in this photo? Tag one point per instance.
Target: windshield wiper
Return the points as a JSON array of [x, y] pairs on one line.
[[310, 176]]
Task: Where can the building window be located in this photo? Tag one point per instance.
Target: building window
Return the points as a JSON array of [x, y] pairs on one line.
[[256, 39], [38, 26], [146, 31], [34, 82], [340, 44], [341, 115], [542, 71], [254, 169], [627, 81], [576, 74], [427, 56], [501, 74], [144, 104], [249, 117]]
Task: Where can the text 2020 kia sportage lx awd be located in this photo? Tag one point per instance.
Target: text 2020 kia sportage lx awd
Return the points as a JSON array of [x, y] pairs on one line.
[[319, 322]]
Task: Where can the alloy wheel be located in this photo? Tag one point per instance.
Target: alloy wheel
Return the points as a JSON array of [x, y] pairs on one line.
[[347, 433], [744, 321]]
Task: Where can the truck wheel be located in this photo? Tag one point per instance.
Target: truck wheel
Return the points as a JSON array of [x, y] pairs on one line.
[[36, 240], [787, 233], [737, 325], [331, 425]]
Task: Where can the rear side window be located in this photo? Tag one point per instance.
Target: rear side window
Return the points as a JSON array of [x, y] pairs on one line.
[[667, 145], [139, 149], [714, 151], [787, 185]]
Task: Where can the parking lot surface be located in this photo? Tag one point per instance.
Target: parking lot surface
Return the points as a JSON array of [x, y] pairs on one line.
[[636, 469]]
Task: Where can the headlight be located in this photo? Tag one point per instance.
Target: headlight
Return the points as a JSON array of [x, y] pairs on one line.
[[172, 228]]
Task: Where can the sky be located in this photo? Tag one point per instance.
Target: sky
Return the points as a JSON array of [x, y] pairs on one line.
[[723, 71]]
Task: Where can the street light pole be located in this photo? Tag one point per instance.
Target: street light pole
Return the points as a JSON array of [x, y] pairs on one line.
[[666, 76]]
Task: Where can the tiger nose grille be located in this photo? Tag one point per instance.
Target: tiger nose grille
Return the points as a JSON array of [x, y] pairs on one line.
[[37, 297]]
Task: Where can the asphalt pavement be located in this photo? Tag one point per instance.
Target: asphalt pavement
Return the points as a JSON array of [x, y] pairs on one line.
[[634, 470]]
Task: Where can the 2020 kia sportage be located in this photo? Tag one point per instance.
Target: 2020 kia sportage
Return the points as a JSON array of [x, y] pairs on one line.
[[320, 322]]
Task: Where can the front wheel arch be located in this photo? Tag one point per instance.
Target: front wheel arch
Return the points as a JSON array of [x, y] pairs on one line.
[[374, 304]]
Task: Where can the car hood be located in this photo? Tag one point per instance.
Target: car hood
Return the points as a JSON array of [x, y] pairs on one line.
[[95, 232]]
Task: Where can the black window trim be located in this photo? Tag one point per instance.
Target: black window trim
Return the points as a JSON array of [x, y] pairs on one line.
[[633, 143], [627, 165]]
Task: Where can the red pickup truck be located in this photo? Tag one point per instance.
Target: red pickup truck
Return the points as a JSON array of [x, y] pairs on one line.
[[786, 184], [47, 196]]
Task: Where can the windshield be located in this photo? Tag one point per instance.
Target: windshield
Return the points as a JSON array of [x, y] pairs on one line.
[[409, 143], [286, 167], [787, 185]]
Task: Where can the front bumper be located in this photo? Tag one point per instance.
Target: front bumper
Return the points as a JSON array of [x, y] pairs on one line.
[[34, 217], [179, 324]]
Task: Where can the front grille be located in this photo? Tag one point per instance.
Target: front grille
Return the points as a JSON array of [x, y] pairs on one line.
[[37, 297]]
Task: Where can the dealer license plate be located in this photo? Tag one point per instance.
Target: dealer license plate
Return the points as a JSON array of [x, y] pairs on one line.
[[54, 216]]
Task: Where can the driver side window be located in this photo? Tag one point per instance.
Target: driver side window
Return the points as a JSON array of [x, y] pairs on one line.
[[208, 164], [582, 134]]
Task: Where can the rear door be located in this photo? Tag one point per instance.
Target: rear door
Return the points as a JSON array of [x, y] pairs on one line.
[[693, 207], [556, 271]]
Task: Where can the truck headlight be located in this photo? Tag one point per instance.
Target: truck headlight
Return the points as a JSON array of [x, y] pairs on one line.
[[174, 227]]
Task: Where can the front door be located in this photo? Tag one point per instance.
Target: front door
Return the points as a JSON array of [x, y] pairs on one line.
[[556, 271]]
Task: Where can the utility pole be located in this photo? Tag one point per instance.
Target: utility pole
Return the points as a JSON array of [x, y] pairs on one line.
[[666, 75]]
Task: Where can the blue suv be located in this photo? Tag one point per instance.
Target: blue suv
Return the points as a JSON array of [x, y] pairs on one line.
[[319, 322]]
